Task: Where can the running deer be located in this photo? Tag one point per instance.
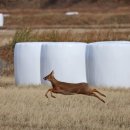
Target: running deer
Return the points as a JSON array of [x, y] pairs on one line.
[[70, 88]]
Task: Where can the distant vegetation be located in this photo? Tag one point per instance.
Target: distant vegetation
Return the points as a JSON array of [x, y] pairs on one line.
[[27, 34], [59, 3]]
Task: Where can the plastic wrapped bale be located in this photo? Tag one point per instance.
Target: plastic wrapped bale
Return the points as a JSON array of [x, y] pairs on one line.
[[27, 63], [108, 64], [1, 20], [67, 59]]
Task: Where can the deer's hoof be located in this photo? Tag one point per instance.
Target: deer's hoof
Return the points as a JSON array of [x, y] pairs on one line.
[[103, 101], [53, 96], [46, 96]]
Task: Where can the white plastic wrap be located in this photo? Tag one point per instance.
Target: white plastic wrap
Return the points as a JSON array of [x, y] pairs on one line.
[[71, 13], [27, 63], [108, 64], [1, 20], [67, 59]]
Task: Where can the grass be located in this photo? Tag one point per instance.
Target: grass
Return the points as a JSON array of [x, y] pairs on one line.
[[27, 35], [27, 108]]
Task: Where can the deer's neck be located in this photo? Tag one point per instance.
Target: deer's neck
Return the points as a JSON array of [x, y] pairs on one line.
[[54, 82]]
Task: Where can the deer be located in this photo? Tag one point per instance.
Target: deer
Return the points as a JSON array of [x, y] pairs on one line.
[[65, 88]]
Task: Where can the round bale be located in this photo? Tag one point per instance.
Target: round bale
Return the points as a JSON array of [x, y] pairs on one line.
[[108, 64], [1, 20], [67, 59], [27, 63]]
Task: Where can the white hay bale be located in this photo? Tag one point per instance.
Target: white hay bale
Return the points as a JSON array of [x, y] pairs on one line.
[[27, 63], [1, 20], [72, 13], [67, 59], [108, 64]]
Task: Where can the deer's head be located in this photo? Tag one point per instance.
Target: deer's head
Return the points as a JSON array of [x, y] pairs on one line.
[[49, 76]]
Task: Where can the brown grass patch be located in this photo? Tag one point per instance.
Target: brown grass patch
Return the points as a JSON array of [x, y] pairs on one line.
[[57, 18]]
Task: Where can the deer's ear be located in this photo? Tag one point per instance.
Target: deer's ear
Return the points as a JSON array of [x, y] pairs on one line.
[[52, 72]]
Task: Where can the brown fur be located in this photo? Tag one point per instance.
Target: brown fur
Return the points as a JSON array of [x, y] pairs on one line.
[[70, 88]]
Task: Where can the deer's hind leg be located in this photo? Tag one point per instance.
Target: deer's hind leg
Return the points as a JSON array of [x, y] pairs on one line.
[[95, 90], [93, 94]]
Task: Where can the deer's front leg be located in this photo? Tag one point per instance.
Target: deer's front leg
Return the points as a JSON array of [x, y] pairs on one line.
[[47, 92], [51, 93]]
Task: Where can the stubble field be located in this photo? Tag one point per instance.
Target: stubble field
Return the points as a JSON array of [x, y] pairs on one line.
[[27, 108]]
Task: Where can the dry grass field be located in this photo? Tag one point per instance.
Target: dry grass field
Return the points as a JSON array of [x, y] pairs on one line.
[[26, 108]]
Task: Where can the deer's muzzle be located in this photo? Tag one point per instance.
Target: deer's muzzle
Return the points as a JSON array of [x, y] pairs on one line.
[[45, 78]]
